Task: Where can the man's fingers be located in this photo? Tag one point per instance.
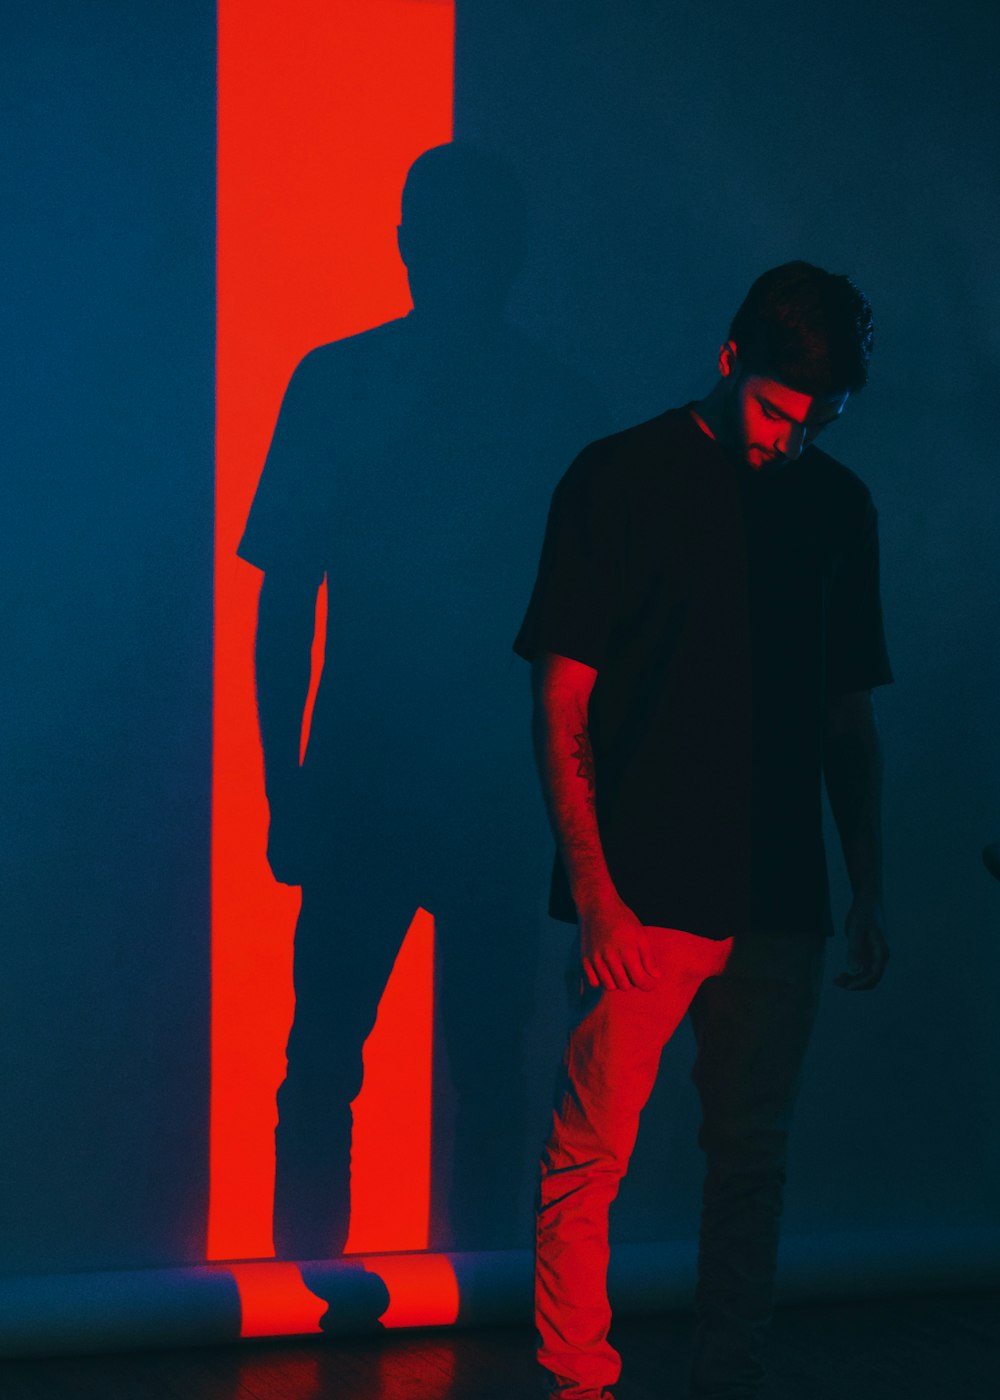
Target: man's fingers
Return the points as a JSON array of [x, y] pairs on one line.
[[871, 976], [620, 961], [597, 973], [868, 959], [627, 969], [861, 983], [862, 980], [638, 976], [620, 971], [610, 972], [648, 958]]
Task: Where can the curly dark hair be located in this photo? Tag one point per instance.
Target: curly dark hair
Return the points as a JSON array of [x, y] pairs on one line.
[[807, 328]]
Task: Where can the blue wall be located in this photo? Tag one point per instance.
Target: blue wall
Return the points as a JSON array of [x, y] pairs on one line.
[[668, 155], [671, 153], [108, 260]]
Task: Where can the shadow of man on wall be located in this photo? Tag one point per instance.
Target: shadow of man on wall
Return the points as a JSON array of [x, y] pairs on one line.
[[411, 467]]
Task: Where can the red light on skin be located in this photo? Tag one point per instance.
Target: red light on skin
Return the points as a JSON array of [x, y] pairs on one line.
[[773, 424], [322, 107]]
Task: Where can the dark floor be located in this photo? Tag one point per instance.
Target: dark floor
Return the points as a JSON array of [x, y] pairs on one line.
[[944, 1346]]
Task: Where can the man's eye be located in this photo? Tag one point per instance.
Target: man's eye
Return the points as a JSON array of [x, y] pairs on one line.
[[769, 414]]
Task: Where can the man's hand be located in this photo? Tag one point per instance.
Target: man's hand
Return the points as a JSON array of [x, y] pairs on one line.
[[867, 949], [616, 948]]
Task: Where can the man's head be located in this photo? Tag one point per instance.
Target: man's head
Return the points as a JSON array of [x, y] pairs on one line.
[[798, 347]]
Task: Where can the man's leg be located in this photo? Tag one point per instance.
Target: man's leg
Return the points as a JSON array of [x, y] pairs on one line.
[[610, 1066], [752, 1028]]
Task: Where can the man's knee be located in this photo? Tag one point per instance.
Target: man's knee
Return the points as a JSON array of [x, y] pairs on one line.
[[571, 1169]]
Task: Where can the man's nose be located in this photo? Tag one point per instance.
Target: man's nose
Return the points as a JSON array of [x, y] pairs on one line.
[[792, 441]]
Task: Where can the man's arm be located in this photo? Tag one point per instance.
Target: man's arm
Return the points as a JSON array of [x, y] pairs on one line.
[[852, 762], [286, 614], [616, 949]]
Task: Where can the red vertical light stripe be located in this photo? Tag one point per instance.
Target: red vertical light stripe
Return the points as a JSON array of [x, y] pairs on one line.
[[322, 107]]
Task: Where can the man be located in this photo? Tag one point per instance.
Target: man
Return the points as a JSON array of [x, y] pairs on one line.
[[403, 466], [705, 633]]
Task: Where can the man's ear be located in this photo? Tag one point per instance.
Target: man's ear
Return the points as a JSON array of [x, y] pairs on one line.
[[728, 355]]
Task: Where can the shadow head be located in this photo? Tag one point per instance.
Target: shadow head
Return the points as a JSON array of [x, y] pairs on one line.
[[462, 232]]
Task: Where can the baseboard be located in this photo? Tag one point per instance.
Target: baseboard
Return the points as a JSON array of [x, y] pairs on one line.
[[218, 1303]]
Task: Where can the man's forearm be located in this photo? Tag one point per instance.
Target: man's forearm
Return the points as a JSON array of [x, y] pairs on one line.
[[566, 767], [853, 766]]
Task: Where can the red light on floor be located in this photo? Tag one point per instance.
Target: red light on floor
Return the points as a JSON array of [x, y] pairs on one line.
[[322, 107], [417, 1290], [275, 1302], [423, 1289]]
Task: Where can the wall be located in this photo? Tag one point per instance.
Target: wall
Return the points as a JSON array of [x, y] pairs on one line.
[[108, 364], [670, 154], [667, 156]]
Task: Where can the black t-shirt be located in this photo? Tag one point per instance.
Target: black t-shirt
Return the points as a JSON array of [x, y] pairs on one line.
[[720, 607]]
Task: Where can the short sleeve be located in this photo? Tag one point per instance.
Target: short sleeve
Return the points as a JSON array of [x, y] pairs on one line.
[[285, 524], [857, 658], [576, 595]]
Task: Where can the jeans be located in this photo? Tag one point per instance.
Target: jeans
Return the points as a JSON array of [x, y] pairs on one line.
[[752, 1007]]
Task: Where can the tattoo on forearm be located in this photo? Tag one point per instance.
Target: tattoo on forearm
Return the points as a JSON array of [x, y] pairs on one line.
[[584, 756]]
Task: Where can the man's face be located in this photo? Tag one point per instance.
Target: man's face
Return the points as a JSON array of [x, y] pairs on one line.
[[772, 424]]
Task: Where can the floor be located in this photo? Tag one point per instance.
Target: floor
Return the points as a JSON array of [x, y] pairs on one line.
[[943, 1346]]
